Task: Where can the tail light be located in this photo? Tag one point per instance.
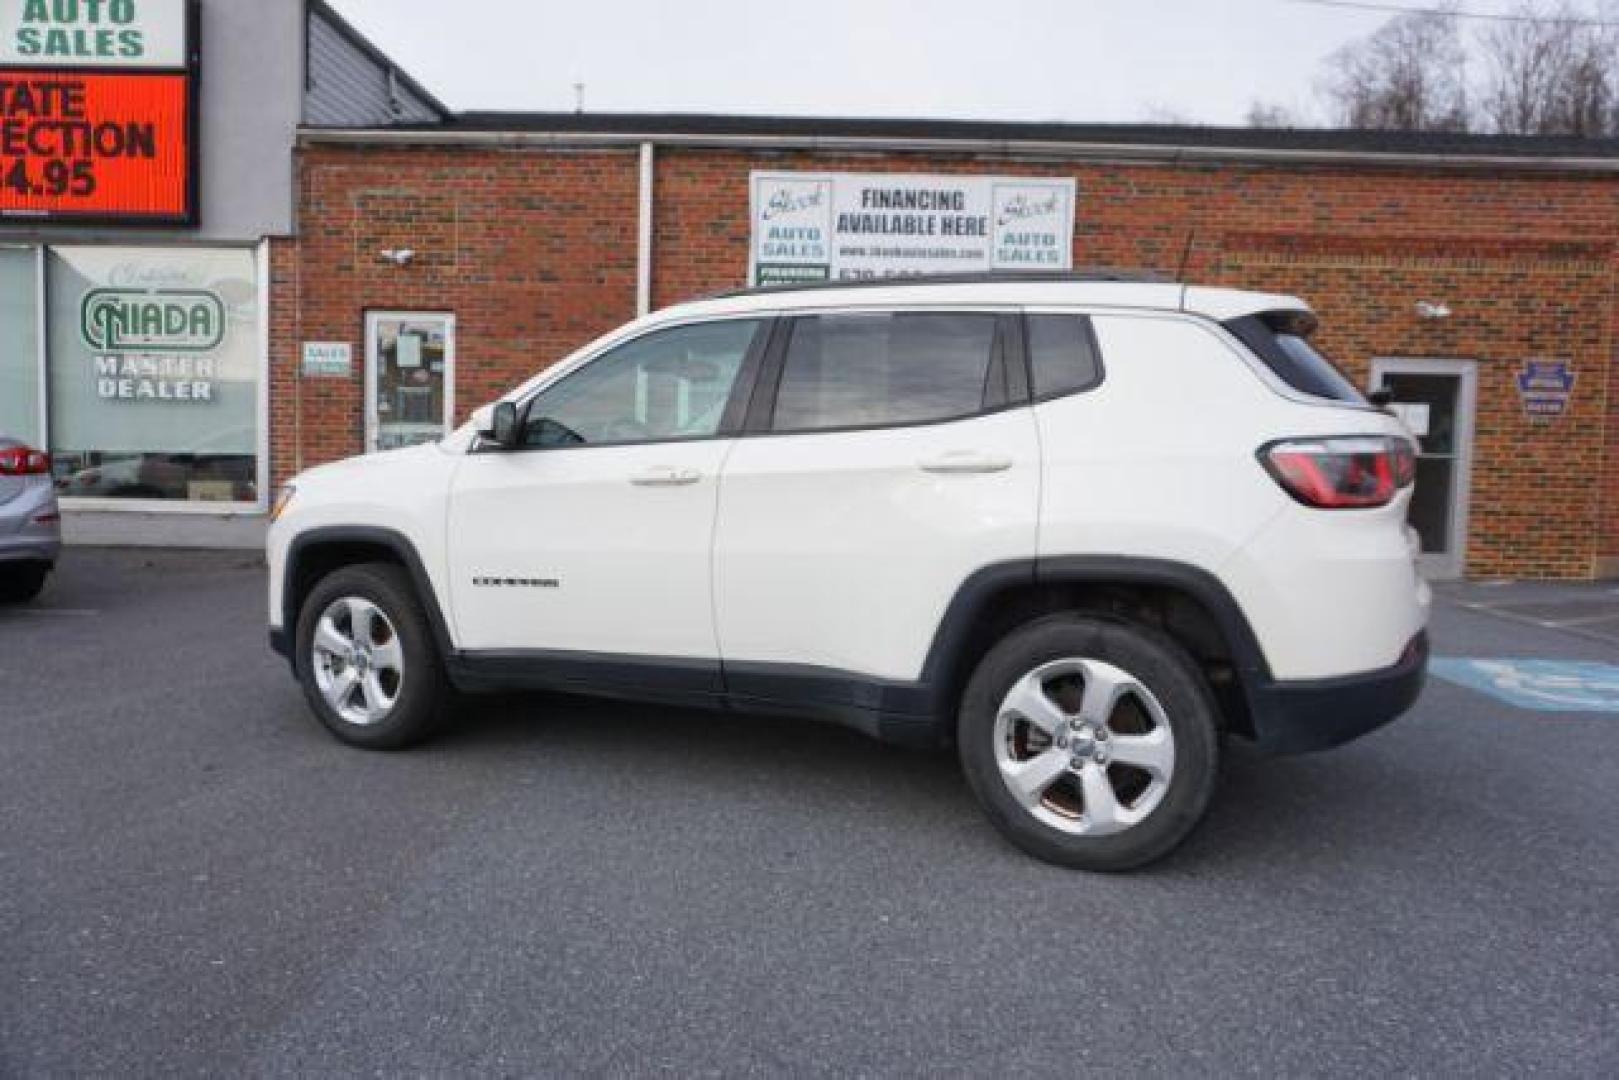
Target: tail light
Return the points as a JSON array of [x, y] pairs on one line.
[[1351, 473], [21, 461]]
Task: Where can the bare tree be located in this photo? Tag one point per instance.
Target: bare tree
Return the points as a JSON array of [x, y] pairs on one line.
[[1551, 73], [1410, 75], [1266, 114], [1156, 112]]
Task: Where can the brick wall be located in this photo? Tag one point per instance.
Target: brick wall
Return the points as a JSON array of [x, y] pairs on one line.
[[534, 251]]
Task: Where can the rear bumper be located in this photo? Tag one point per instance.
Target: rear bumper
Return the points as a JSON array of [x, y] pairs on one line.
[[36, 545], [1297, 717], [47, 553], [31, 526]]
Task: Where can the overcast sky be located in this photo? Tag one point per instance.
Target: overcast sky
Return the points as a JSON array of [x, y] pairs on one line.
[[1203, 61]]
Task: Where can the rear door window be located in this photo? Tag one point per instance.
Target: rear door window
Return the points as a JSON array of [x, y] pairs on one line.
[[887, 369], [1281, 341]]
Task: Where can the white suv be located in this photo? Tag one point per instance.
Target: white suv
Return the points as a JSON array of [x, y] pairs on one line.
[[1081, 527]]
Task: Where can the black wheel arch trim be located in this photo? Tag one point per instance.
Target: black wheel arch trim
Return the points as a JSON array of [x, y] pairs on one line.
[[1286, 716], [334, 535], [1208, 590], [981, 589]]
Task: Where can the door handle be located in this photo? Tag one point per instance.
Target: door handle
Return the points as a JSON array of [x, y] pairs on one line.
[[959, 462], [664, 476]]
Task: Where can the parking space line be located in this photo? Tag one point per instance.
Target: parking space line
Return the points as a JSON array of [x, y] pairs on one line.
[[1573, 629], [43, 613], [1588, 620]]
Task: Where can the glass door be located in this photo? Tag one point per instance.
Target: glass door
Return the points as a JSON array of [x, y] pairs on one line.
[[1436, 399], [409, 378]]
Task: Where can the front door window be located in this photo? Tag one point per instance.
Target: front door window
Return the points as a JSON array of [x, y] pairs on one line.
[[668, 386]]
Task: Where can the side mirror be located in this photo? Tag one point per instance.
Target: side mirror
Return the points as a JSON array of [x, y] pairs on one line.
[[1381, 397], [500, 424]]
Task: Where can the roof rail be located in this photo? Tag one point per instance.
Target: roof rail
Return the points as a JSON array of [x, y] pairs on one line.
[[990, 277]]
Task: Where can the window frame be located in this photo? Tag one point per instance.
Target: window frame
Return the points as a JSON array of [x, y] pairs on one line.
[[371, 420], [1007, 348], [731, 418], [36, 255], [263, 467]]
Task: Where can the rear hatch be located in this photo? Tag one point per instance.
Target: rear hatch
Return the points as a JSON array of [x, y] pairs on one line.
[[1361, 457]]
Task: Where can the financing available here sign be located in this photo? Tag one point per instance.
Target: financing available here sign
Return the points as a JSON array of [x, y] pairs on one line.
[[851, 226]]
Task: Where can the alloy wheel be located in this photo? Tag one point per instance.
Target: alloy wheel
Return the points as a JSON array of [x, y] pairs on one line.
[[359, 663], [1084, 746]]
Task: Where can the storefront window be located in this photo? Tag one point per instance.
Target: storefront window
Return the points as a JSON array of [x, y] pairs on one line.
[[154, 373], [19, 344]]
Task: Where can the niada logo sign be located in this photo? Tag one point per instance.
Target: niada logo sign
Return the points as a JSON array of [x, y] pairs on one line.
[[164, 321]]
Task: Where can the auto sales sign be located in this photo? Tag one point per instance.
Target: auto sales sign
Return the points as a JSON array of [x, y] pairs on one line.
[[97, 111]]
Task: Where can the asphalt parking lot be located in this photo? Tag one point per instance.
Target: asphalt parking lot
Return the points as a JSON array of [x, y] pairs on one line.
[[194, 879]]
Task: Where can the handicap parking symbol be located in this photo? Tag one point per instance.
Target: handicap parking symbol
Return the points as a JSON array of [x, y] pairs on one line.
[[1540, 685]]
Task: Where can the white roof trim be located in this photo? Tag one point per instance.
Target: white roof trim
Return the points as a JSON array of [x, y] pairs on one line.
[[1001, 147]]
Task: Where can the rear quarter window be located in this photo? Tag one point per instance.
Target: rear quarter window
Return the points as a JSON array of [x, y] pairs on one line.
[[1281, 341], [1062, 354]]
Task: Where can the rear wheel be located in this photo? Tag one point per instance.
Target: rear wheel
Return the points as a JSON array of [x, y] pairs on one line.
[[22, 582], [1090, 743], [366, 658]]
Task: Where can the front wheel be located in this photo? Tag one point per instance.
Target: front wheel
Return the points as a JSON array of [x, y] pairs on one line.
[[366, 658], [1090, 743]]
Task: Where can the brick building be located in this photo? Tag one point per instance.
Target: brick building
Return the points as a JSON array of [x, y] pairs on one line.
[[1472, 276], [369, 266], [146, 173]]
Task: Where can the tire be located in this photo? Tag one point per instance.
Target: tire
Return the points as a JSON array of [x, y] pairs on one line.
[[22, 582], [1159, 791], [401, 657]]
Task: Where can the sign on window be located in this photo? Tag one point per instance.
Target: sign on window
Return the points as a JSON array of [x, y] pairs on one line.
[[154, 372]]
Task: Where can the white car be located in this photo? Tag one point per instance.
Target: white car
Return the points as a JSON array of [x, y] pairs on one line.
[[1080, 527]]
